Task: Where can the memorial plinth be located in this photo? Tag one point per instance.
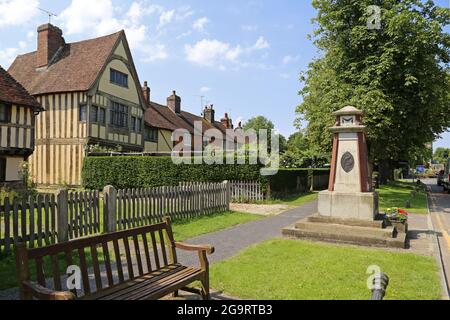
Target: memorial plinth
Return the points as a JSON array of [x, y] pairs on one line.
[[347, 211]]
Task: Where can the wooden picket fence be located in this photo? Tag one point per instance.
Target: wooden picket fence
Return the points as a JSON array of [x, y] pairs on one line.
[[138, 207], [45, 220], [246, 191], [32, 221], [83, 209]]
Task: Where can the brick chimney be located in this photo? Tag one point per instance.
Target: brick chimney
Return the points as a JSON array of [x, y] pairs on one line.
[[227, 122], [208, 113], [174, 102], [49, 41], [146, 92]]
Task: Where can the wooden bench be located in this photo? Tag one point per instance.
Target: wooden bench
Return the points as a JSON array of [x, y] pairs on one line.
[[135, 264]]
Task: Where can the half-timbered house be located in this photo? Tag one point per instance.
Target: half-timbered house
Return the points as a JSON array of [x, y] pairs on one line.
[[18, 110], [91, 95]]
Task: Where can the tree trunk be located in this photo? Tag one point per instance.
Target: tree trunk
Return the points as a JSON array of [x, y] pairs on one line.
[[386, 171]]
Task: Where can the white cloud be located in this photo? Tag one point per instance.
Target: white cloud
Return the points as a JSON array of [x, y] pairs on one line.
[[215, 53], [166, 17], [155, 52], [205, 89], [288, 59], [7, 56], [17, 12], [98, 18], [212, 53], [261, 44], [199, 24]]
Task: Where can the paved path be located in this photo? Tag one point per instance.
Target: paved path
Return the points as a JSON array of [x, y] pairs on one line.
[[230, 242], [440, 216]]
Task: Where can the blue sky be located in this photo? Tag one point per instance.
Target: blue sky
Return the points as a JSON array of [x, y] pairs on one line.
[[242, 56]]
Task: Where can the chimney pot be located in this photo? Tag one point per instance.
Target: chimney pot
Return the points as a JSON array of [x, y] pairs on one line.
[[146, 92]]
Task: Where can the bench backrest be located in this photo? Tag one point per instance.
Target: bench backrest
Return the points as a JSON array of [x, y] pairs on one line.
[[110, 259]]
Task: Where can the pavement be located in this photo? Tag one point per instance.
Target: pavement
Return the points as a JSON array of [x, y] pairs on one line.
[[439, 205]]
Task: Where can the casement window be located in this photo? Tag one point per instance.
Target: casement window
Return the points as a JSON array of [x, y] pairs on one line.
[[119, 78], [5, 112], [83, 115], [119, 115], [133, 123], [102, 116], [2, 169], [138, 125], [94, 114], [151, 134]]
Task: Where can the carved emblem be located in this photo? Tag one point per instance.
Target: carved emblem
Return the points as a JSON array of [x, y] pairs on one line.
[[347, 162]]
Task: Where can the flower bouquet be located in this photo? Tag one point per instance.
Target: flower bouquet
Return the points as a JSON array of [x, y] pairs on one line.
[[398, 218]]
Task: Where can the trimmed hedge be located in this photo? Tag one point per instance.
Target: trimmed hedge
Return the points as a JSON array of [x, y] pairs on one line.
[[145, 172]]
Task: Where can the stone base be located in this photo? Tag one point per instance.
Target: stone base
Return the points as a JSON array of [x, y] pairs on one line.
[[349, 231], [355, 205]]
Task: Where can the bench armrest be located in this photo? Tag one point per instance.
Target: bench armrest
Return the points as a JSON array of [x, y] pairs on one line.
[[191, 247], [43, 293]]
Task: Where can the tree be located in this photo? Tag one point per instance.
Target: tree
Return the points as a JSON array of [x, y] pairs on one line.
[[261, 123], [441, 155], [398, 75]]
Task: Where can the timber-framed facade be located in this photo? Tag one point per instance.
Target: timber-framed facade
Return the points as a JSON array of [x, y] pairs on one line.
[[91, 95]]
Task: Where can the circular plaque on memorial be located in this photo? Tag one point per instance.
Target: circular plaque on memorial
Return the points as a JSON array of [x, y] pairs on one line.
[[347, 162]]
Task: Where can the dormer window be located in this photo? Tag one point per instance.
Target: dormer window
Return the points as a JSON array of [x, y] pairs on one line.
[[5, 112], [119, 78]]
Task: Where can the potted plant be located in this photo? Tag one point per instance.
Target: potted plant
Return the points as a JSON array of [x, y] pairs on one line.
[[398, 218]]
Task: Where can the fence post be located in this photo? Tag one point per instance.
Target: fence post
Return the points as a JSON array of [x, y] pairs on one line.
[[109, 209], [228, 193], [62, 202]]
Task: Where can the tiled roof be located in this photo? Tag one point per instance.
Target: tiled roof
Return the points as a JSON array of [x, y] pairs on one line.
[[75, 68], [12, 92], [160, 116]]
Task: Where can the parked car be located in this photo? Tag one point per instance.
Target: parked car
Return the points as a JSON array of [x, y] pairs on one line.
[[440, 178]]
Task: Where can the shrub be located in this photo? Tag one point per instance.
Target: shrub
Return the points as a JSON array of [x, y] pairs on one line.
[[144, 172], [289, 181]]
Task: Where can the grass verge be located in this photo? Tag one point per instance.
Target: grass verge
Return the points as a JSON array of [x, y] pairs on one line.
[[397, 193], [284, 269]]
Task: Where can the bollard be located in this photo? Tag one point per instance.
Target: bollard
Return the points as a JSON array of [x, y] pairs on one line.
[[380, 283]]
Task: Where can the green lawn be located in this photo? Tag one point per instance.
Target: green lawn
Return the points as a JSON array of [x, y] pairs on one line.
[[186, 229], [294, 200], [283, 269], [183, 229], [395, 194]]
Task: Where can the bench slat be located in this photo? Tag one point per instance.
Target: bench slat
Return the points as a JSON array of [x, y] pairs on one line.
[[118, 260], [107, 261], [147, 253], [98, 278], [128, 256], [56, 275], [138, 254], [84, 271]]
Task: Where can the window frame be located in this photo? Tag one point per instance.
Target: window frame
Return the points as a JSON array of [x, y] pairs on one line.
[[118, 78], [149, 137], [96, 108], [102, 119], [119, 115], [82, 113], [7, 108]]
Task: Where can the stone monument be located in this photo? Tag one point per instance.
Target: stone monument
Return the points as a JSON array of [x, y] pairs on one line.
[[349, 192], [348, 210]]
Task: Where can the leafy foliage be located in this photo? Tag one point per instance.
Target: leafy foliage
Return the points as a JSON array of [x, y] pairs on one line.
[[142, 172], [399, 75], [440, 153]]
